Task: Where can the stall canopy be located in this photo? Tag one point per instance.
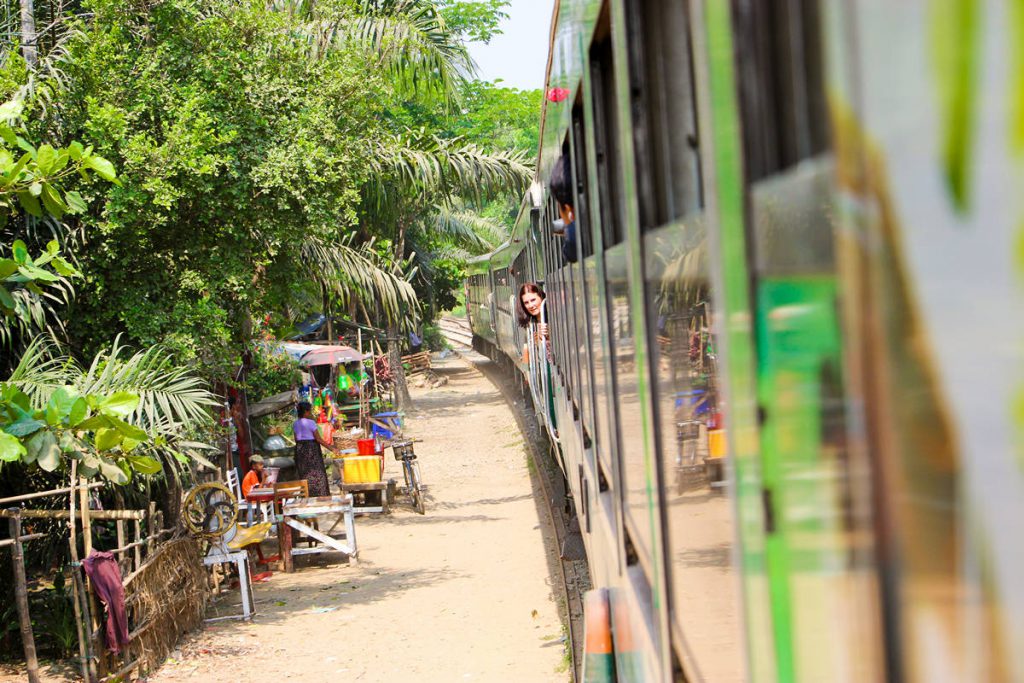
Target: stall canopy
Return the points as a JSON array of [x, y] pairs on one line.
[[319, 354]]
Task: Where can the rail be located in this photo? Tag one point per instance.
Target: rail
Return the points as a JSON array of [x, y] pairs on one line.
[[456, 330]]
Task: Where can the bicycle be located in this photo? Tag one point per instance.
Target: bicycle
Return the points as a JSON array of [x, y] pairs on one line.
[[411, 470]]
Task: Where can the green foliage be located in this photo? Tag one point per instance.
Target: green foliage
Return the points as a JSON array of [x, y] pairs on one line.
[[433, 340], [237, 150], [476, 21], [89, 428], [55, 618], [32, 178], [29, 286], [499, 118], [271, 374], [157, 401], [33, 181]]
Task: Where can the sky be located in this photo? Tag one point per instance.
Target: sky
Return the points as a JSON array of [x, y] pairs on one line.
[[519, 55]]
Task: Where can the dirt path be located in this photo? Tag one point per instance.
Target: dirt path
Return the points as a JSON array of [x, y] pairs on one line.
[[461, 594]]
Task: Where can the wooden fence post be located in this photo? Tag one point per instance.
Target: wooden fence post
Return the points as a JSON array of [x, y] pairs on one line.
[[21, 597], [138, 549], [86, 520], [77, 589], [150, 530], [125, 559]]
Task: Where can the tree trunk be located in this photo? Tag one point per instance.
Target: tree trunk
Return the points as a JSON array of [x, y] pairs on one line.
[[327, 312], [29, 48], [402, 397]]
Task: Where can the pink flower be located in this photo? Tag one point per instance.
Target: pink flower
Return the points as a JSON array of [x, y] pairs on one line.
[[557, 94]]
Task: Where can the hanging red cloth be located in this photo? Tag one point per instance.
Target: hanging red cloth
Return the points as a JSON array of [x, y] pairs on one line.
[[105, 574]]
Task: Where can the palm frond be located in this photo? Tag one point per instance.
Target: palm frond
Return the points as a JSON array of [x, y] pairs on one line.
[[356, 270], [47, 80], [171, 399], [42, 369], [35, 310], [466, 228], [429, 167], [406, 38]]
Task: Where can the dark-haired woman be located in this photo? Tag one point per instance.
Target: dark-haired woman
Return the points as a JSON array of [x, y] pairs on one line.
[[309, 459], [529, 307], [530, 314]]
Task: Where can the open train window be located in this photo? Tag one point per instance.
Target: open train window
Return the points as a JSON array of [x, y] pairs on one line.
[[585, 240], [663, 101], [501, 285], [782, 93], [606, 135]]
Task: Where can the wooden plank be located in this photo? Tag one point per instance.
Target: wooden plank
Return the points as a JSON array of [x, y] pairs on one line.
[[77, 588], [66, 514], [120, 544], [44, 494], [10, 541], [322, 537], [138, 550]]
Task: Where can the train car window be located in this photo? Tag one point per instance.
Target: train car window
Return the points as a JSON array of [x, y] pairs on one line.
[[815, 487], [585, 241], [587, 273], [606, 143], [501, 290], [699, 527], [782, 97], [664, 117]]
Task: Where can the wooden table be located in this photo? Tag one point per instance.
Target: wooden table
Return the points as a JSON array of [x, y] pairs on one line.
[[291, 519], [384, 487]]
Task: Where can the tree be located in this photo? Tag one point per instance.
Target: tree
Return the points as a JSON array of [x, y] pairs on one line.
[[32, 182], [113, 418], [242, 156]]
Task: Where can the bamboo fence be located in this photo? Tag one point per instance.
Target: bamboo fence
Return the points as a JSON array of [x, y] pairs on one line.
[[166, 588]]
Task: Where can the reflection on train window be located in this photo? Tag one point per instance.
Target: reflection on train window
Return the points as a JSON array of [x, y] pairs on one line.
[[689, 412], [821, 543]]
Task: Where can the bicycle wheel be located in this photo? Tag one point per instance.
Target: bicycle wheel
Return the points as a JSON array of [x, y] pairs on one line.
[[417, 492]]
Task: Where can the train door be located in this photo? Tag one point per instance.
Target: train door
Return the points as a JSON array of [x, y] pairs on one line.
[[813, 558]]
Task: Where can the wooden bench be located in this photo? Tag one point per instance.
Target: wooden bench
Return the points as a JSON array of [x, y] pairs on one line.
[[417, 362]]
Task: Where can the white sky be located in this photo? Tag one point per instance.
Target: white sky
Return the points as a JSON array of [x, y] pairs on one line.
[[519, 55]]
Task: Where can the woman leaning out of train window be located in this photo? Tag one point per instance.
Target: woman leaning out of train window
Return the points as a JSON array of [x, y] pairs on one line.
[[561, 190], [528, 312]]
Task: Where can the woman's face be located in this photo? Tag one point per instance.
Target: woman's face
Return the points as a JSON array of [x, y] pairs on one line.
[[531, 302]]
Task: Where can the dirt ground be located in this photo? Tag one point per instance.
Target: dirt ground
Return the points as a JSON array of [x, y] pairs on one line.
[[464, 593]]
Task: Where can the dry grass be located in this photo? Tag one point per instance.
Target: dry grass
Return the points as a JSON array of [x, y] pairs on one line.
[[166, 598]]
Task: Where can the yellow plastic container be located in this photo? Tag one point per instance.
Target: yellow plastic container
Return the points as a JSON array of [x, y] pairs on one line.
[[362, 469], [716, 443]]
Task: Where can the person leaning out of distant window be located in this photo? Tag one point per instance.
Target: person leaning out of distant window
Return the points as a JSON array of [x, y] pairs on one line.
[[561, 190]]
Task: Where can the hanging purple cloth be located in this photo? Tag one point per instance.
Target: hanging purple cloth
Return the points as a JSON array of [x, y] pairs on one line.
[[105, 575]]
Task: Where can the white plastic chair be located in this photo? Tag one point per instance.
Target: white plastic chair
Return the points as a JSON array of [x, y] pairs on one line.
[[262, 509]]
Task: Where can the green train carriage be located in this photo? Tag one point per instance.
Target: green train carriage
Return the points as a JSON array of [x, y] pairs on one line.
[[800, 226]]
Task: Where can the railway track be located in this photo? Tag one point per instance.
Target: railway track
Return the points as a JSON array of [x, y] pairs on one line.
[[456, 330], [574, 573]]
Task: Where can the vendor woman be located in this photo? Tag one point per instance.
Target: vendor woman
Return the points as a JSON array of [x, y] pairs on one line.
[[309, 459]]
